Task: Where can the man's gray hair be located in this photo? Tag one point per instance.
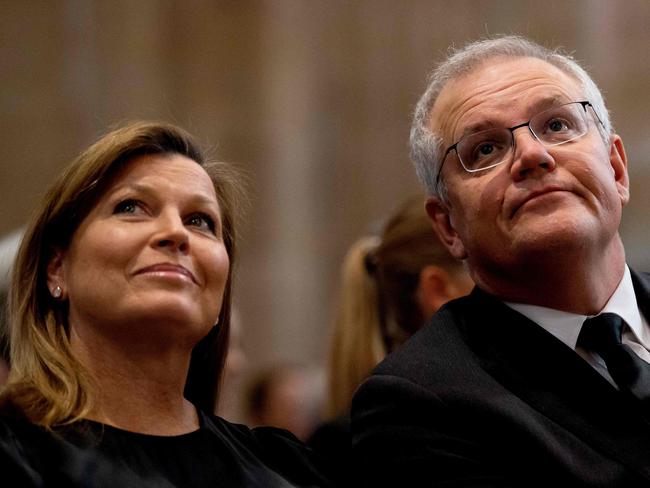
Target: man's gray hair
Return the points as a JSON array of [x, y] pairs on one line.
[[426, 146]]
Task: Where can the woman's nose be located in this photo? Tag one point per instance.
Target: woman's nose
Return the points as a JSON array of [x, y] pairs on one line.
[[171, 233]]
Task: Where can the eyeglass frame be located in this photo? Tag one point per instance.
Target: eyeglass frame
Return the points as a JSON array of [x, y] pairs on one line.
[[584, 103]]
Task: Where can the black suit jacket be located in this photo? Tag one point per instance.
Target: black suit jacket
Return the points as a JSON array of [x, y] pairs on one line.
[[482, 396]]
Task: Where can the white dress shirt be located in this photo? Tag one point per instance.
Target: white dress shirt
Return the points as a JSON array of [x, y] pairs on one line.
[[566, 326]]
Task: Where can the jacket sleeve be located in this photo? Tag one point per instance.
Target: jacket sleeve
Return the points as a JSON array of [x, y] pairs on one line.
[[405, 435]]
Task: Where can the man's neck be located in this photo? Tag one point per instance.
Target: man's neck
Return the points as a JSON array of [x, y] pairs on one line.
[[581, 283]]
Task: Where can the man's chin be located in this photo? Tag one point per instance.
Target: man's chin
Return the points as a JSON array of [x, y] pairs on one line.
[[552, 235]]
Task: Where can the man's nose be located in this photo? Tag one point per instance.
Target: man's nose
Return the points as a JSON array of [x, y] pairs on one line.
[[531, 157]]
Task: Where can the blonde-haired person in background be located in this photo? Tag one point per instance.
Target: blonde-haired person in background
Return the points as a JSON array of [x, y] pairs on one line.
[[119, 323], [390, 285]]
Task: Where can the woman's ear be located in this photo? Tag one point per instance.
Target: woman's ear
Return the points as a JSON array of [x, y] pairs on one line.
[[442, 224], [433, 289], [56, 275]]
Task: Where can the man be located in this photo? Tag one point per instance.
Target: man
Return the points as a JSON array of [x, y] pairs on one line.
[[506, 387]]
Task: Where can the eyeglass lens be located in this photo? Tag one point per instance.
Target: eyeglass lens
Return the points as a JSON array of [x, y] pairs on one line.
[[551, 127]]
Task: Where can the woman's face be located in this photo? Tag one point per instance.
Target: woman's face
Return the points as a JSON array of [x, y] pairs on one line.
[[149, 260]]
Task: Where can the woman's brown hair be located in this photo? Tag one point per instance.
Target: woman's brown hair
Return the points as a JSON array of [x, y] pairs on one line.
[[47, 385]]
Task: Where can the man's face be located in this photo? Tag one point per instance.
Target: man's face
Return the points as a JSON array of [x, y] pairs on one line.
[[545, 199]]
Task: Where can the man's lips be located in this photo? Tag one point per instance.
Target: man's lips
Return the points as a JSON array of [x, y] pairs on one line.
[[167, 268], [530, 195]]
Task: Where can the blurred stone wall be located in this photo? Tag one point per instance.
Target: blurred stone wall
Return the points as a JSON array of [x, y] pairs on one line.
[[311, 98]]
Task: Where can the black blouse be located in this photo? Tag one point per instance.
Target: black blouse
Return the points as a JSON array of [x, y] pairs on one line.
[[91, 454]]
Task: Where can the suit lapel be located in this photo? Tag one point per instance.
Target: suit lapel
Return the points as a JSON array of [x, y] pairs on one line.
[[556, 382], [641, 283]]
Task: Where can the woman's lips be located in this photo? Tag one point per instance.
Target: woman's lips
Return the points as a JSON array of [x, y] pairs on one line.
[[163, 269]]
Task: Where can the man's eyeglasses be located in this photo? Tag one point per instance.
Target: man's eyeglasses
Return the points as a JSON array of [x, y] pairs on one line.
[[489, 148]]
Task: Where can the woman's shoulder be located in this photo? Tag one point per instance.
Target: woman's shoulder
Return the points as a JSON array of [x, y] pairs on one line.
[[23, 448], [34, 455], [17, 433], [268, 441], [277, 448]]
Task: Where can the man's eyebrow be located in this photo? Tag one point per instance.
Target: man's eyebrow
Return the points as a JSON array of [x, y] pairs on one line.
[[536, 107], [547, 102], [480, 126]]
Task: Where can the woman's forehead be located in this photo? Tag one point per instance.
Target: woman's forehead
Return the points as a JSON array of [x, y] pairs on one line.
[[166, 171]]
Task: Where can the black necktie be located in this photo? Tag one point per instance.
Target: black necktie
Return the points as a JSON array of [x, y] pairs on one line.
[[602, 334]]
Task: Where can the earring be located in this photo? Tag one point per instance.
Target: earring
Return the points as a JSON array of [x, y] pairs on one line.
[[57, 292]]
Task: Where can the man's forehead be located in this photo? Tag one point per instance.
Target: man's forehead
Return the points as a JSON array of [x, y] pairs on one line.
[[537, 105], [500, 84]]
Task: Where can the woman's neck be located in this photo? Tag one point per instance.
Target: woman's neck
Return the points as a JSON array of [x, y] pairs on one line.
[[138, 416], [137, 388]]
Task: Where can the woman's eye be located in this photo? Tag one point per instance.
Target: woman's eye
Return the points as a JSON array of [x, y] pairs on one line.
[[128, 206], [202, 221]]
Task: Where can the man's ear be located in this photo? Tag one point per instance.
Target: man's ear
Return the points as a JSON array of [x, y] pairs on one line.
[[55, 275], [439, 214], [618, 160]]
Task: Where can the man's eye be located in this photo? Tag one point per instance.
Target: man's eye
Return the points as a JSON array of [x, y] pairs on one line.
[[485, 149], [557, 125]]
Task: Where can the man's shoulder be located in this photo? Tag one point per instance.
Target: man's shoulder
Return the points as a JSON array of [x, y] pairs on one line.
[[452, 322], [440, 343], [455, 342]]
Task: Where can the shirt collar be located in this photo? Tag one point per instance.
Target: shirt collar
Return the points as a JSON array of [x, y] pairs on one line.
[[566, 325]]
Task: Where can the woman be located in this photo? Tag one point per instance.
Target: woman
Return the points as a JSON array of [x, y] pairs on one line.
[[390, 286], [119, 319]]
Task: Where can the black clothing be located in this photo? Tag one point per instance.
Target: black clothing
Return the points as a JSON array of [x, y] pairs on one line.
[[91, 454], [603, 334], [483, 396], [332, 442]]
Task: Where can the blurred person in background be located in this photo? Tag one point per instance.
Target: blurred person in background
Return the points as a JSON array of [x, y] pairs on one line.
[[288, 396], [8, 248], [119, 319], [4, 347], [231, 391], [390, 286], [4, 344]]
